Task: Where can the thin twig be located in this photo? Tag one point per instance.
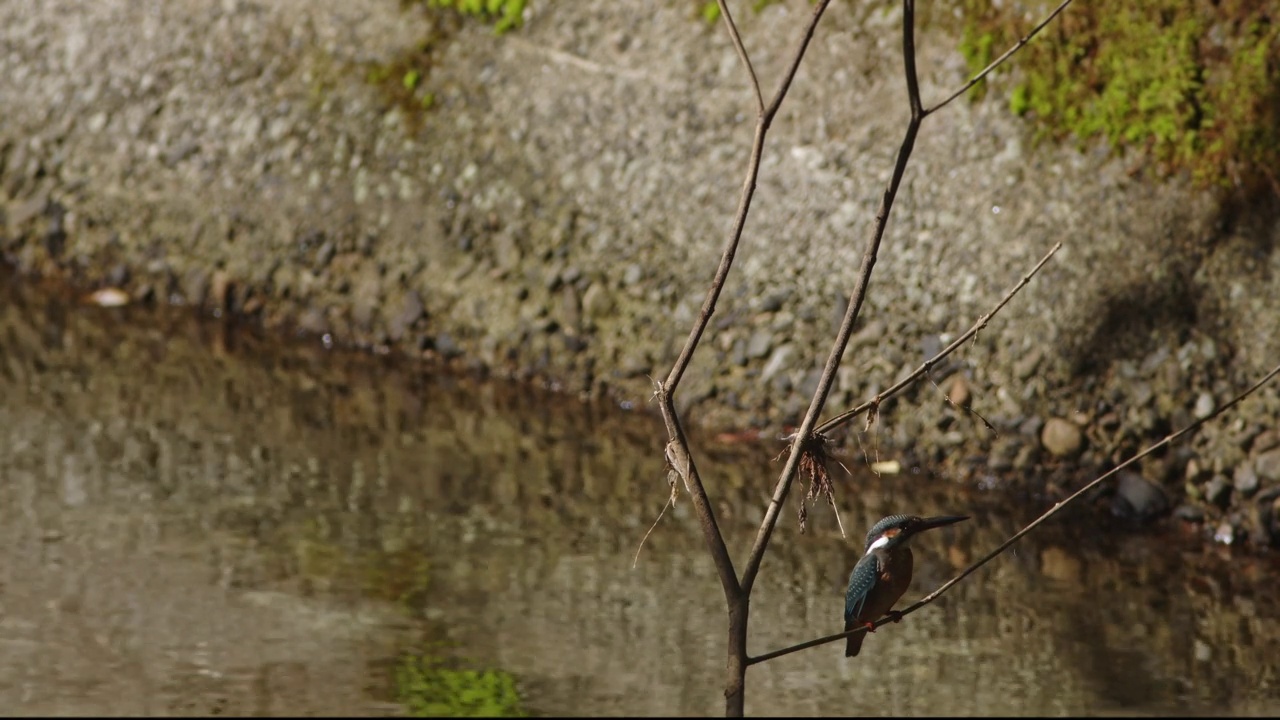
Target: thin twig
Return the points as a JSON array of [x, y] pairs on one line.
[[1018, 535], [859, 293], [742, 54], [997, 62], [928, 365], [678, 447], [671, 502]]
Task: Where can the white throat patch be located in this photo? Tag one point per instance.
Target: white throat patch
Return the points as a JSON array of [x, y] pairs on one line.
[[879, 543]]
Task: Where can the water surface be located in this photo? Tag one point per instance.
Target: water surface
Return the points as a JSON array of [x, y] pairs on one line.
[[199, 520]]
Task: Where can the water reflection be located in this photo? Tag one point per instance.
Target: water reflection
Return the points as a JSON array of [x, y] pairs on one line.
[[197, 520]]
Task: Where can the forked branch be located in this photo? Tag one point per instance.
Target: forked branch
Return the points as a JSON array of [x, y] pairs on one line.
[[928, 365], [1058, 506]]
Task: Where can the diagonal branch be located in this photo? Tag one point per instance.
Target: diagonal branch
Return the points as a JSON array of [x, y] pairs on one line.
[[766, 116], [805, 432], [742, 54], [1034, 524], [998, 61], [678, 453], [902, 384]]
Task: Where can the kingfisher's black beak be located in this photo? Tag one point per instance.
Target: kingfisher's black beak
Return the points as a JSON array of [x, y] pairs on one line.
[[936, 522]]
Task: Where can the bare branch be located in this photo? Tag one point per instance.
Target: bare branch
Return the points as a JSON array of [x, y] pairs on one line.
[[742, 53], [818, 9], [997, 62], [919, 372], [678, 453], [1018, 535], [744, 201], [681, 460], [805, 433]]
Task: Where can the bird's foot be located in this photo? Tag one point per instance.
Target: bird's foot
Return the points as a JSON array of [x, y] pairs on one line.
[[871, 627], [894, 615]]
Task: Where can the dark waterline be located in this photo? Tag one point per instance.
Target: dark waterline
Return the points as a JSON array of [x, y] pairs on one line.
[[199, 520]]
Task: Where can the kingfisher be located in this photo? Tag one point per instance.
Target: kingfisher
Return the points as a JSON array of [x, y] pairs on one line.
[[884, 572]]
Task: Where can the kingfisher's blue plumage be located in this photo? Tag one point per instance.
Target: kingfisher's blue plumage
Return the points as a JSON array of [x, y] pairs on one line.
[[861, 581], [878, 529], [883, 573]]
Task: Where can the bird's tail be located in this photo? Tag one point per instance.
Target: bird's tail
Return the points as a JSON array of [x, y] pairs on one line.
[[854, 642]]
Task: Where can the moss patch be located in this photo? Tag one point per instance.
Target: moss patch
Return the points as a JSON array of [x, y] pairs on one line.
[[504, 14], [1192, 84], [428, 688]]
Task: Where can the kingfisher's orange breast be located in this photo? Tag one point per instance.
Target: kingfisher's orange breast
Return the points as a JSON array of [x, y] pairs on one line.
[[893, 581]]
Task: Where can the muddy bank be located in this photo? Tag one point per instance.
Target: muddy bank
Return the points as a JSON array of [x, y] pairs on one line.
[[557, 212]]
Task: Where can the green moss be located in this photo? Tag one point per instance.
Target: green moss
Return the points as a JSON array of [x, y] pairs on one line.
[[1193, 84], [504, 14], [429, 689], [404, 79]]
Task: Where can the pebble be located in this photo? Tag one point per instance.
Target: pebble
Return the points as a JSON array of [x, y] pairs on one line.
[[1204, 406], [108, 297], [596, 301], [410, 312], [1061, 437], [1188, 512], [1217, 490], [1138, 497], [779, 362], [759, 345], [1267, 465], [1245, 479], [1225, 534], [445, 345]]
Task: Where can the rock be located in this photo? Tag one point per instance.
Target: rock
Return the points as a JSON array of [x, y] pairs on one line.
[[1217, 491], [1031, 426], [313, 321], [774, 301], [506, 249], [571, 309], [1139, 498], [108, 297], [1194, 470], [759, 345], [195, 286], [221, 290], [325, 255], [445, 345], [1058, 564], [1266, 440], [410, 312], [1062, 438], [1003, 451], [1190, 513], [1024, 366], [1267, 466], [596, 301], [1225, 533], [1245, 479], [1203, 652], [1140, 394], [779, 362], [119, 275], [22, 212], [1204, 406]]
